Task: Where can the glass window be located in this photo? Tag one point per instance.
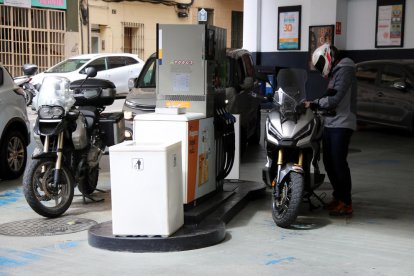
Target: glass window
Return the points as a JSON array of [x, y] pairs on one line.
[[248, 62], [115, 62], [410, 79], [67, 66], [148, 80], [99, 64], [130, 61], [391, 74], [366, 74]]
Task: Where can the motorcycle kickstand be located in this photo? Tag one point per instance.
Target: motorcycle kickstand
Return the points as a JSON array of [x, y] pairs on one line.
[[91, 198], [309, 201]]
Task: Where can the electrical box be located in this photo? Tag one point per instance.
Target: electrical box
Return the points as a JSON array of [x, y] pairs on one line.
[[146, 188], [191, 67]]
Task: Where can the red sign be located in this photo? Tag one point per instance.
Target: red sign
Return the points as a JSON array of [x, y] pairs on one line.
[[338, 28]]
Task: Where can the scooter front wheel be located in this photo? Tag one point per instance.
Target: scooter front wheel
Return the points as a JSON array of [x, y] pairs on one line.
[[286, 201], [40, 192]]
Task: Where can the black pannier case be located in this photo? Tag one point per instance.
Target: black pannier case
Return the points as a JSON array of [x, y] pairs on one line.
[[113, 127]]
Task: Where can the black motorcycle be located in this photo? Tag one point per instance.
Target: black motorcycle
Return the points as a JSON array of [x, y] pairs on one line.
[[72, 132], [30, 91]]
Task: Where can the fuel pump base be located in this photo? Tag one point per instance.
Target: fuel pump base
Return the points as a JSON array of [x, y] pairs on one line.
[[204, 224]]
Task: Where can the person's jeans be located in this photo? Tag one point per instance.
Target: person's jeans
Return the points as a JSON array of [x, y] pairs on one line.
[[335, 152]]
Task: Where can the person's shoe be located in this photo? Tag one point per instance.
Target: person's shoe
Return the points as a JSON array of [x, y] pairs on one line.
[[331, 205], [342, 209]]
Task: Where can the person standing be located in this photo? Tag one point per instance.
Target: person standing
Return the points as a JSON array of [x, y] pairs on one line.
[[341, 98]]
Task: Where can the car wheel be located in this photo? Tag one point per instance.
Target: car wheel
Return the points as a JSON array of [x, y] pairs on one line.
[[13, 155]]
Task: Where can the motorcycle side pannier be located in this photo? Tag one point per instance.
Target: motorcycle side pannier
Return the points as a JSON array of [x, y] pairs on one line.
[[112, 125]]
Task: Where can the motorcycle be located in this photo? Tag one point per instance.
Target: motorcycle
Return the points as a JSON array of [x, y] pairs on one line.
[[292, 141], [30, 91], [72, 133]]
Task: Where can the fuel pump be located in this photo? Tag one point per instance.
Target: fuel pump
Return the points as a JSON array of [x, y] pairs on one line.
[[190, 105]]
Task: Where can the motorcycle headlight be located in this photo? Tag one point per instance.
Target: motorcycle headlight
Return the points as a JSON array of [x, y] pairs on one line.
[[51, 112]]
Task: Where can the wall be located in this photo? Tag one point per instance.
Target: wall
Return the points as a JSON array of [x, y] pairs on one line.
[[101, 13], [357, 38]]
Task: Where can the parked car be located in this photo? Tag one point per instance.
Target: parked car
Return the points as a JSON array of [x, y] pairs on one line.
[[118, 68], [386, 93], [240, 93], [14, 128]]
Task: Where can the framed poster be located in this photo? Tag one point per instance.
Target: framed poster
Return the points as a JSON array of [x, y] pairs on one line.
[[289, 28], [319, 35], [389, 27]]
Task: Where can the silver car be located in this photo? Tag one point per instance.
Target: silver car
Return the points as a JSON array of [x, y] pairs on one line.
[[386, 93], [14, 128]]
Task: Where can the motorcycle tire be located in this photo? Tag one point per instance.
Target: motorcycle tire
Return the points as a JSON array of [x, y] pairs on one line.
[[285, 209], [88, 185], [39, 192], [28, 96]]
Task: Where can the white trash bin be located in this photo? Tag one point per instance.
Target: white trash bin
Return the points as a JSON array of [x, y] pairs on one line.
[[146, 188]]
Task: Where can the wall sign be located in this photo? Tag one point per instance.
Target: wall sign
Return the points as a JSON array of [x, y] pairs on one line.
[[289, 28], [53, 4], [390, 23], [319, 35], [18, 3]]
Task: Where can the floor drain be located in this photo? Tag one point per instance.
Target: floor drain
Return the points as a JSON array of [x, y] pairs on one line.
[[46, 227]]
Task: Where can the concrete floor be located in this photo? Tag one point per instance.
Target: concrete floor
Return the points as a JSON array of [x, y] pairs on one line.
[[377, 240]]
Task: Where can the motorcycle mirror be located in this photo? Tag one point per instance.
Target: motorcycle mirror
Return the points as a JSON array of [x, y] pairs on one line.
[[91, 72]]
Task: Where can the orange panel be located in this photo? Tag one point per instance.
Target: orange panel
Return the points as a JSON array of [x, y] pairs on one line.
[[193, 127]]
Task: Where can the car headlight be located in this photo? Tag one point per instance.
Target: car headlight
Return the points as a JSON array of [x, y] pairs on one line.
[[51, 112], [128, 115]]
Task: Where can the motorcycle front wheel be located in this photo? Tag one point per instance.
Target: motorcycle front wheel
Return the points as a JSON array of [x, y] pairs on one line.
[[39, 190], [285, 206]]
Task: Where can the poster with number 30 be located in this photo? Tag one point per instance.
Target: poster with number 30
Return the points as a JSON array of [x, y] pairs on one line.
[[289, 28]]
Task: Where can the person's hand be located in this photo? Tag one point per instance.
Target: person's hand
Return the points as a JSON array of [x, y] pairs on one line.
[[311, 105]]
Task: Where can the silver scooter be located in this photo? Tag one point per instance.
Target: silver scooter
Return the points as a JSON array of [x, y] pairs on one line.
[[292, 140]]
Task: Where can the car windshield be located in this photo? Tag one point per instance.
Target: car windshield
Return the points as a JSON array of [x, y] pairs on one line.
[[67, 66], [148, 79]]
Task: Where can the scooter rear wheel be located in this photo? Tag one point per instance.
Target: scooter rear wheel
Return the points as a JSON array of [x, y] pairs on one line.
[[40, 193], [285, 207]]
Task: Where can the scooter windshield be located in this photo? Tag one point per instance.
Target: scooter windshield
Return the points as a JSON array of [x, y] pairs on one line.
[[55, 92], [285, 103]]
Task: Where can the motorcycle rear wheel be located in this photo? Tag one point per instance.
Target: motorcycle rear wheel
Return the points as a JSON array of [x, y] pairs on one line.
[[285, 208], [28, 96], [39, 192]]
